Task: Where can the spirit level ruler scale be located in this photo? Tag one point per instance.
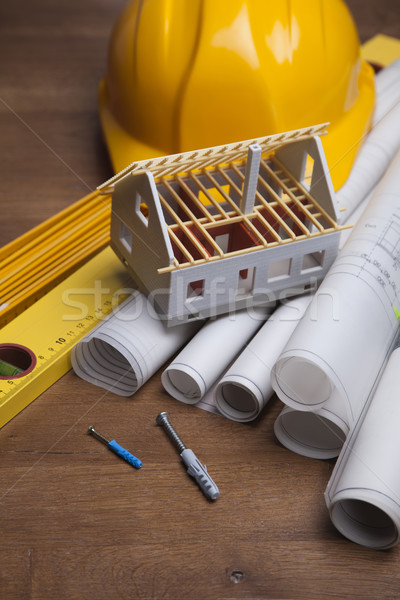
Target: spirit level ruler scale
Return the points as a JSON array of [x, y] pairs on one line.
[[39, 341]]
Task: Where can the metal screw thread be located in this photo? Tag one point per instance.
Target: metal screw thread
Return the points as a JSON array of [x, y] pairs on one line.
[[98, 435], [162, 419]]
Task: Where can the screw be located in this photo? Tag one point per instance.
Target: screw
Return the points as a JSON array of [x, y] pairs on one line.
[[163, 420], [127, 456], [195, 468], [98, 435]]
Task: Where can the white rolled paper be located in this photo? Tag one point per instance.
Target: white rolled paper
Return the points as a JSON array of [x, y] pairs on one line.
[[298, 430], [363, 494], [314, 434], [372, 161], [341, 344], [387, 88], [246, 387], [198, 366], [128, 347]]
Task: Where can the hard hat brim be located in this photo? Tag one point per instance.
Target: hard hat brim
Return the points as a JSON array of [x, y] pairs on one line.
[[346, 135], [341, 145], [123, 148]]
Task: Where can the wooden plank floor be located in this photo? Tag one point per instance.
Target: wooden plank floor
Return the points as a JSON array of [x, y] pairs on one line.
[[75, 521]]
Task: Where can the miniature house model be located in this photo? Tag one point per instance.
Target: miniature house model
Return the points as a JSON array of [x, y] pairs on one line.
[[228, 227]]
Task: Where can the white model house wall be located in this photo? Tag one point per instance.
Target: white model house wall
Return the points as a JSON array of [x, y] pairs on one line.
[[141, 240], [295, 158], [155, 222], [253, 279]]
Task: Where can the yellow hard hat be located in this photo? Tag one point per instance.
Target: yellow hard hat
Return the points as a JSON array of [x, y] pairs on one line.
[[184, 75]]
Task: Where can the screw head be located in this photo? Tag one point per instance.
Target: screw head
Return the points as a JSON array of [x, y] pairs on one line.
[[163, 416]]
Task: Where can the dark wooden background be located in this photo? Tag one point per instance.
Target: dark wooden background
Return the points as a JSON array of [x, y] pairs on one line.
[[77, 522]]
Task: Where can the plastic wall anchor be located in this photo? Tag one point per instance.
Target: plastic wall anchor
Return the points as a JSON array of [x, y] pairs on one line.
[[200, 474], [127, 456]]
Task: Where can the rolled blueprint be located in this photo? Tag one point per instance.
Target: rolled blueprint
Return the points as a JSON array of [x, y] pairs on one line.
[[128, 347], [355, 217], [335, 356], [372, 161], [363, 494], [198, 366], [314, 434], [246, 387], [387, 87], [320, 434]]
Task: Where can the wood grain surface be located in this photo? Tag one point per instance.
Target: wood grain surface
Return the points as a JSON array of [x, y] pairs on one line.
[[76, 521]]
